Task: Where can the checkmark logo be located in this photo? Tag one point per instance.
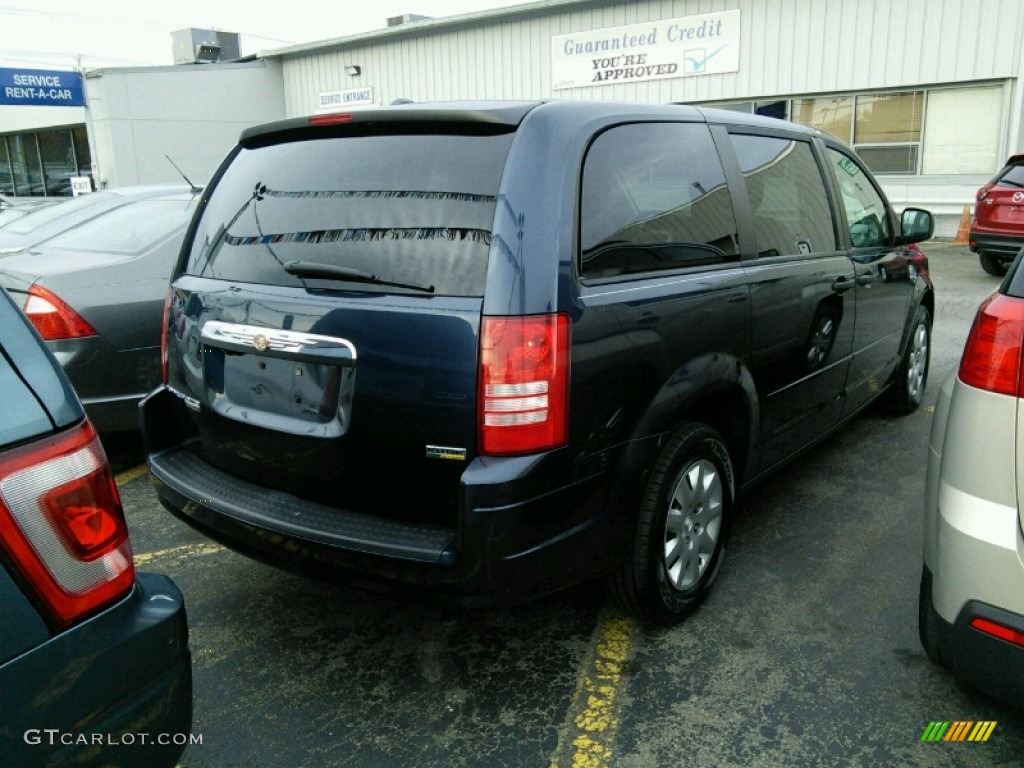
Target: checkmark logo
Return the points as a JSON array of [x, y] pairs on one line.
[[697, 59]]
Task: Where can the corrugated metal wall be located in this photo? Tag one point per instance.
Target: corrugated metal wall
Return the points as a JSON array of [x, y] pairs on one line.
[[788, 48]]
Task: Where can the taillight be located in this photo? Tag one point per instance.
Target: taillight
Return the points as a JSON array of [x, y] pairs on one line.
[[983, 192], [331, 119], [62, 524], [165, 330], [1008, 634], [992, 356], [524, 383], [52, 317]]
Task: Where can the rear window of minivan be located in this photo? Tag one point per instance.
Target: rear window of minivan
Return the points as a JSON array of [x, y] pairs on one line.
[[414, 209]]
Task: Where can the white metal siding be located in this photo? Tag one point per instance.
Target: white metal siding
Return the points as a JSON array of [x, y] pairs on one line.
[[788, 47]]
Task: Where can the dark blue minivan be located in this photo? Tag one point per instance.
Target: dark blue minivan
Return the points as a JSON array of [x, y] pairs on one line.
[[495, 349]]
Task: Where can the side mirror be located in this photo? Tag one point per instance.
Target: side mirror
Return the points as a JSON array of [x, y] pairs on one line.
[[916, 225]]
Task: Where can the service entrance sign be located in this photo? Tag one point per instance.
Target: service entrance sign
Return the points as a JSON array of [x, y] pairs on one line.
[[655, 50], [40, 88]]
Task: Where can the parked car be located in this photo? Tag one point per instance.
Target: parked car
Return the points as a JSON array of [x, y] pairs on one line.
[[93, 655], [51, 220], [997, 228], [96, 294], [9, 211], [972, 582], [564, 355]]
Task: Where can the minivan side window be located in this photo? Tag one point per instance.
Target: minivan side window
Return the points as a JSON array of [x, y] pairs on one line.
[[654, 197], [787, 195], [865, 208]]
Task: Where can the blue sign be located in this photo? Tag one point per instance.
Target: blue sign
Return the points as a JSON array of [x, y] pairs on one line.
[[40, 88]]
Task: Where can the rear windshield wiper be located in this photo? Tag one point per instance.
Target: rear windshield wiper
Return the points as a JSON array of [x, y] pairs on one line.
[[314, 270]]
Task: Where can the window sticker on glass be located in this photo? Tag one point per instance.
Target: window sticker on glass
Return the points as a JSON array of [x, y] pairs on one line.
[[848, 165]]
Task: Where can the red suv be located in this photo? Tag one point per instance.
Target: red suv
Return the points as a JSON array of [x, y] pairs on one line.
[[997, 230]]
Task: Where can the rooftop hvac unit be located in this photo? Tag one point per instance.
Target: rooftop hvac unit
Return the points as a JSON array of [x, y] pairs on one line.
[[203, 46], [408, 18]]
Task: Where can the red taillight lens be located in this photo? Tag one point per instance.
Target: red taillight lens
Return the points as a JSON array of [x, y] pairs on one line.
[[62, 524], [998, 630], [53, 318], [991, 358], [524, 383], [331, 119]]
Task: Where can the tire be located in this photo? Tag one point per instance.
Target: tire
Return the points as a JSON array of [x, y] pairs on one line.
[[992, 265], [928, 619], [910, 378], [679, 544]]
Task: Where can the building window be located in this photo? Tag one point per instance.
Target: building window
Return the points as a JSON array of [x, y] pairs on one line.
[[831, 114], [28, 170], [41, 164], [955, 145], [887, 130], [6, 175]]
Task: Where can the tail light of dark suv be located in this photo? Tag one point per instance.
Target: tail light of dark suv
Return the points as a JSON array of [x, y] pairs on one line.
[[992, 355], [62, 525], [524, 383]]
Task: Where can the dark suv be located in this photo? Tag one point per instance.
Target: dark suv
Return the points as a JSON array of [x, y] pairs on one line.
[[493, 349], [95, 668], [997, 228]]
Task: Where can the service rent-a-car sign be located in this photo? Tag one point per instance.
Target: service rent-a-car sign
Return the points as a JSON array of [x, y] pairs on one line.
[[654, 50], [40, 88]]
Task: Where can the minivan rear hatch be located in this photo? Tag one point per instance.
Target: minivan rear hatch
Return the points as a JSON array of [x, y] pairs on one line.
[[324, 319]]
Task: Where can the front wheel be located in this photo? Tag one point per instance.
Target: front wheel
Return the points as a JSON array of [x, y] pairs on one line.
[[681, 530], [907, 391]]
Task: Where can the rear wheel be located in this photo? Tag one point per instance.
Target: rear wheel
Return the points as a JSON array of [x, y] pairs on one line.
[[681, 531], [993, 265], [907, 390]]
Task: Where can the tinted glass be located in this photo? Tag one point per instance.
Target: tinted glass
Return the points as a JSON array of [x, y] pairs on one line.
[[1012, 176], [865, 208], [77, 207], [23, 416], [130, 229], [654, 198], [414, 209], [6, 179], [787, 195]]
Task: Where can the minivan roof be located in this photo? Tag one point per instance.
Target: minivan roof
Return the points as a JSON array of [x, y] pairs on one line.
[[511, 113]]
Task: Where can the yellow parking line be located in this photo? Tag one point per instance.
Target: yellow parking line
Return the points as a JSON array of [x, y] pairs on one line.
[[204, 548], [130, 474], [587, 739]]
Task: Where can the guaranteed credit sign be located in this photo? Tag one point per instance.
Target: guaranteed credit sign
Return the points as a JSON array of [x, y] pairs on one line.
[[40, 88], [655, 50]]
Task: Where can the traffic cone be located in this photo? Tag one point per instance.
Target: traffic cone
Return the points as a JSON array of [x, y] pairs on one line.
[[965, 225]]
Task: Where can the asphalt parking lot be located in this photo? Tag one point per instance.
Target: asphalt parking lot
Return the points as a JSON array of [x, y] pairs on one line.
[[806, 654]]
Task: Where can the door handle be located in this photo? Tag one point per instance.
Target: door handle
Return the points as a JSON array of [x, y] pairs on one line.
[[842, 285]]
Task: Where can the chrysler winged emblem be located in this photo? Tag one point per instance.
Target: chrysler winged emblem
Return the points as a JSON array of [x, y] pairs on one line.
[[261, 343]]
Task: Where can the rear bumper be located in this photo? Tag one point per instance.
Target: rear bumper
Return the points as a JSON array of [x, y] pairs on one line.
[[494, 556], [524, 526], [110, 382], [114, 690], [1004, 246], [989, 663]]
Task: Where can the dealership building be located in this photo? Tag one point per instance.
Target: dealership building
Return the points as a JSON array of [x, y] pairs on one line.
[[929, 92]]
